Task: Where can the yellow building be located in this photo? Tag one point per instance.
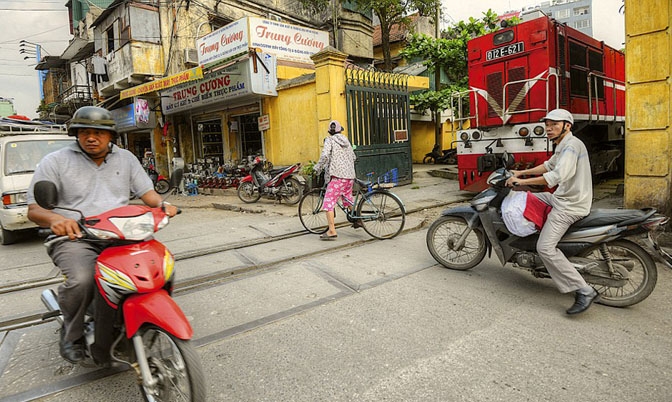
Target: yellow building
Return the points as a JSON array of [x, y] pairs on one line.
[[648, 141]]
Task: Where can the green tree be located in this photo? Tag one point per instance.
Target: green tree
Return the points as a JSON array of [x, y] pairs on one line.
[[448, 53], [389, 12]]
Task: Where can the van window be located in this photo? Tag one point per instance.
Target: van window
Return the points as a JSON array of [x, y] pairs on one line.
[[23, 156]]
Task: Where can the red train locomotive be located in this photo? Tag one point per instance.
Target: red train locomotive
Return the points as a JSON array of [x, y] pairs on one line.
[[518, 74]]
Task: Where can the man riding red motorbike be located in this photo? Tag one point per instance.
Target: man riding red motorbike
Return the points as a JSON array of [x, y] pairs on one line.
[[92, 175]]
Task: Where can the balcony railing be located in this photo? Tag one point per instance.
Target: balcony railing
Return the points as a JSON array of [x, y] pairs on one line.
[[76, 93]]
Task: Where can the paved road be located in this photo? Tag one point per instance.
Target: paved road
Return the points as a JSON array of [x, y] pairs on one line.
[[364, 320]]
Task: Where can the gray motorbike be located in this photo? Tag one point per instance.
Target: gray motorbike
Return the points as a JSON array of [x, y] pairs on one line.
[[601, 246]]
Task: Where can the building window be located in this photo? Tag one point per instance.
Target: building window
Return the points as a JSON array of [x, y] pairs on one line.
[[581, 11], [560, 14], [109, 34], [581, 24]]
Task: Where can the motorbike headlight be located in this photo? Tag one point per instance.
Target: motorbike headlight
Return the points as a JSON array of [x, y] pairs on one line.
[[135, 227]]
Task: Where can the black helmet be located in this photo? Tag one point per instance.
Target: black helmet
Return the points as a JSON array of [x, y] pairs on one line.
[[92, 117]]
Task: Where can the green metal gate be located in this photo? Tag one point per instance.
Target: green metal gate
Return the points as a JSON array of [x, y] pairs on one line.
[[378, 113]]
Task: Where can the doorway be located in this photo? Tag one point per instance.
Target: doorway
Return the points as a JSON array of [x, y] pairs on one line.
[[251, 141]]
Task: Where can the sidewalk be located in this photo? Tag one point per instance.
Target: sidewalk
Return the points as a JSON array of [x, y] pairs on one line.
[[426, 191]]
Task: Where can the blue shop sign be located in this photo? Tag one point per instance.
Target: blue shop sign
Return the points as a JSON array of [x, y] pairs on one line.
[[134, 116]]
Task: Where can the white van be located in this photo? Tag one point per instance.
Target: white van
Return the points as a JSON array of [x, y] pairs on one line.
[[22, 146]]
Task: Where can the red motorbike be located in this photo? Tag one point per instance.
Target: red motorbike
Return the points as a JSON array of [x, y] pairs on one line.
[[280, 183], [134, 275]]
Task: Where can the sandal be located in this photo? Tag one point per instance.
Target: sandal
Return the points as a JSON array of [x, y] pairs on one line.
[[325, 236]]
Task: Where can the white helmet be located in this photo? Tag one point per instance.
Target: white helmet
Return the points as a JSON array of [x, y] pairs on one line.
[[559, 115]]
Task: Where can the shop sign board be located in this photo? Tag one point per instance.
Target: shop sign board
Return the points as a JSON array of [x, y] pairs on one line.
[[264, 122], [286, 41], [163, 83], [226, 42], [233, 83], [136, 116]]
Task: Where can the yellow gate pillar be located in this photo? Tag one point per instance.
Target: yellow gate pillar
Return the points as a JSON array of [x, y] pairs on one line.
[[648, 140], [330, 88]]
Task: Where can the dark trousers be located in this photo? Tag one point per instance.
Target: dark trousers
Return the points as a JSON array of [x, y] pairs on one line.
[[77, 262]]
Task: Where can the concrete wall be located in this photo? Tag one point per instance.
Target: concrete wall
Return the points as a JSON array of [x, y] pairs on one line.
[[648, 140]]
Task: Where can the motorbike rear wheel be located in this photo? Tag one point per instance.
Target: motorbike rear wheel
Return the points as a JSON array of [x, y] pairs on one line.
[[175, 366], [642, 273], [162, 186], [292, 190], [248, 193], [442, 239]]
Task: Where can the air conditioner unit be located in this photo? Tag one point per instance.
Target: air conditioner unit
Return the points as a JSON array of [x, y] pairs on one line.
[[274, 17], [191, 56]]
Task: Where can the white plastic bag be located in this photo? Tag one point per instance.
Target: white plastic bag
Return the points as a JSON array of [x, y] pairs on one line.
[[513, 208]]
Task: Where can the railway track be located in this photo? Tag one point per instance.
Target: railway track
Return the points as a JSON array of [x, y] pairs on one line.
[[185, 287], [35, 287]]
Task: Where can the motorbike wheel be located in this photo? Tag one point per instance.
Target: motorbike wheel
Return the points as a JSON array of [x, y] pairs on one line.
[[442, 237], [642, 273], [312, 217], [428, 159], [248, 193], [292, 191], [175, 367], [162, 186]]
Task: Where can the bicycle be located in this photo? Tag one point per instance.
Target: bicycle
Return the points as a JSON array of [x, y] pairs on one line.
[[380, 212]]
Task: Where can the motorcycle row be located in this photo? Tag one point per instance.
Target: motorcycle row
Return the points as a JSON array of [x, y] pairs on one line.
[[153, 335], [253, 178]]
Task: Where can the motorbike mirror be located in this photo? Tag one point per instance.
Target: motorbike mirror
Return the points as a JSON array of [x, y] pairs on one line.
[[46, 194], [508, 160], [176, 178]]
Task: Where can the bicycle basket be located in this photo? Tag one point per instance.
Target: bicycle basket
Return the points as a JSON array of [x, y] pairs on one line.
[[317, 180]]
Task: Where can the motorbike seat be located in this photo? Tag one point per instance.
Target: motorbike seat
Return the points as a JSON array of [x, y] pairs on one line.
[[621, 217], [277, 169]]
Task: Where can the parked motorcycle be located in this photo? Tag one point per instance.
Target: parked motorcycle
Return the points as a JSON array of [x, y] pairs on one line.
[[134, 276], [161, 184], [620, 270], [447, 156], [280, 183]]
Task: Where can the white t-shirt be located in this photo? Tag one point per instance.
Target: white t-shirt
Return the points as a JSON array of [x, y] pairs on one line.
[[90, 188]]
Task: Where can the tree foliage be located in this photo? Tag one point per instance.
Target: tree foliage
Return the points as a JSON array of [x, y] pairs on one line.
[[389, 12], [448, 53]]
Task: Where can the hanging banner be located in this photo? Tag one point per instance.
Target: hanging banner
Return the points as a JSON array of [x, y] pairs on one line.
[[163, 83], [230, 84], [286, 41]]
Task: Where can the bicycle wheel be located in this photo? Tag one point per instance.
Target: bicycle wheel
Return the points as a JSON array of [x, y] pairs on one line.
[[382, 214], [312, 217]]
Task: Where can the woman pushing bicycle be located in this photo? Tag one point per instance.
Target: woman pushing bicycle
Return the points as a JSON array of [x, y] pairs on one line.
[[338, 162]]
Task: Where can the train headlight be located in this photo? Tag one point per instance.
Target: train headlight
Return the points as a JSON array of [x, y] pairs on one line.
[[464, 136], [476, 135], [523, 132], [538, 130]]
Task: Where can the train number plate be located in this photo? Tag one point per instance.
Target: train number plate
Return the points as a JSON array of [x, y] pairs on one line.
[[504, 51]]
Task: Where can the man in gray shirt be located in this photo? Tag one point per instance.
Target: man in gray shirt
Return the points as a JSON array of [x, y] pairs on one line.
[[92, 175], [569, 170]]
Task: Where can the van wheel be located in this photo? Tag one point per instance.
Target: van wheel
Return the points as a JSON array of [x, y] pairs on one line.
[[8, 237]]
